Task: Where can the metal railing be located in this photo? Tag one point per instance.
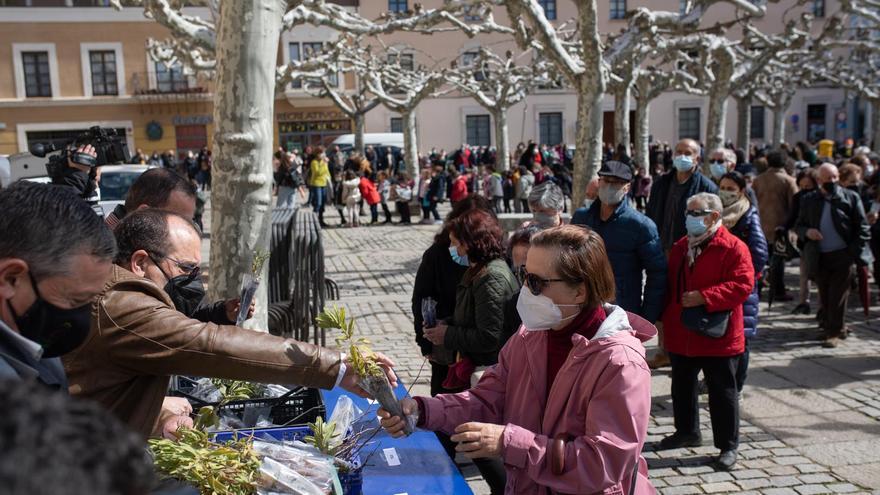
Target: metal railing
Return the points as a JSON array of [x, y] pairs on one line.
[[155, 85], [296, 273]]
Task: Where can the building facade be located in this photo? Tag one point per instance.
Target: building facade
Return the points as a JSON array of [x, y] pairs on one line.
[[71, 66]]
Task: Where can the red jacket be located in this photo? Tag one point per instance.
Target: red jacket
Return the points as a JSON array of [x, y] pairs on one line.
[[724, 275], [369, 192], [459, 189]]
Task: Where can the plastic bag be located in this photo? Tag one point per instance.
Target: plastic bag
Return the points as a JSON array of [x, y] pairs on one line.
[[249, 285], [206, 390], [307, 463], [256, 416], [429, 312], [279, 478], [344, 415]]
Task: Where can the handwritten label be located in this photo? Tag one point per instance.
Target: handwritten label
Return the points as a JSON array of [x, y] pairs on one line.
[[391, 457]]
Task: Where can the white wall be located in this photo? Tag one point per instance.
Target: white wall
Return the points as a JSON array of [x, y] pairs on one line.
[[441, 121]]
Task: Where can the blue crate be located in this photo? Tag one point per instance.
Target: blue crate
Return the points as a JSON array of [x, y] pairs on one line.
[[284, 433]]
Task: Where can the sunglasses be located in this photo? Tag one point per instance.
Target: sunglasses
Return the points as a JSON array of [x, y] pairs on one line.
[[698, 213], [537, 284], [189, 269]]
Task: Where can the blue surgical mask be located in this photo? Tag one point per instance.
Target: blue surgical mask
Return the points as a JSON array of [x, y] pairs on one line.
[[695, 226], [461, 260], [717, 170], [683, 163]]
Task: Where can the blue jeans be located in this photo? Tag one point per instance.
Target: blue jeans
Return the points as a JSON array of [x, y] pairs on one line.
[[317, 197]]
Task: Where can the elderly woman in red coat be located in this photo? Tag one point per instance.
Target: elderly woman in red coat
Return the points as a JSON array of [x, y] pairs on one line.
[[710, 274]]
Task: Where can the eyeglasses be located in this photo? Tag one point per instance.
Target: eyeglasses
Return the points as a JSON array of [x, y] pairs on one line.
[[535, 283], [192, 270], [698, 213]]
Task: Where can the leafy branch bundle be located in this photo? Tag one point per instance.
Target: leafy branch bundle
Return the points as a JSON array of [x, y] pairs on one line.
[[363, 360], [232, 468]]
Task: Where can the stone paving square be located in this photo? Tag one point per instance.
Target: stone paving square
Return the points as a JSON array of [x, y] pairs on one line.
[[810, 416]]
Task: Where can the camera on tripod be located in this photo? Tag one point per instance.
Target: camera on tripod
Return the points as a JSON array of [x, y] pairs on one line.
[[109, 146]]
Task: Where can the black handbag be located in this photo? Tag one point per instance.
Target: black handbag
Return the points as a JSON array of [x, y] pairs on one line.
[[712, 324]]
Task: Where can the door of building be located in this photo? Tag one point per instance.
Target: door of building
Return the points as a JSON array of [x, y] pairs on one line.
[[608, 134], [816, 122], [190, 138]]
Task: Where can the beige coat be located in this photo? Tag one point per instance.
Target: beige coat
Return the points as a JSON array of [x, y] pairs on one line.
[[774, 189]]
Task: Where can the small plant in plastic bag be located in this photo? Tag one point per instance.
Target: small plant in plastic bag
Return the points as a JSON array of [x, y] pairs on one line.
[[249, 285], [363, 360]]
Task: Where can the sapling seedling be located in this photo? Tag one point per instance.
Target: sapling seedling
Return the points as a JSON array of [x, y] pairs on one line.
[[363, 360], [249, 285]]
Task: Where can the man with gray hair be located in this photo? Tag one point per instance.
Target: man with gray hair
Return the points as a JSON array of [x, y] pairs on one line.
[[833, 226], [55, 257], [723, 161], [546, 202], [710, 276]]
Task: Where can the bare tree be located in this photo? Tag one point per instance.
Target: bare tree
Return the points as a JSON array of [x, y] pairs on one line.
[[319, 75], [498, 83], [581, 57], [240, 44], [850, 54], [400, 87]]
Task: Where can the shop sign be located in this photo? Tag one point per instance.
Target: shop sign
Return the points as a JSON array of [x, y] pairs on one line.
[[316, 115], [317, 126], [192, 119]]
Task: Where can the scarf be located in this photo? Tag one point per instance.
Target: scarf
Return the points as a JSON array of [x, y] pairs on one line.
[[730, 215], [696, 244]]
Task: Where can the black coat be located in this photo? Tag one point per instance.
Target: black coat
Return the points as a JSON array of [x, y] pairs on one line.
[[657, 204], [850, 222], [438, 278]]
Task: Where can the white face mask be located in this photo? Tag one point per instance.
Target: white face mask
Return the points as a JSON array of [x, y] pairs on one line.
[[540, 312]]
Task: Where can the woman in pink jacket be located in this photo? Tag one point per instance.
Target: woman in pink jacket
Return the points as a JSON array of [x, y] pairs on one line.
[[567, 406]]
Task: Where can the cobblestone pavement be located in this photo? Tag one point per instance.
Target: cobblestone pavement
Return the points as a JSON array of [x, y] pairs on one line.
[[810, 416]]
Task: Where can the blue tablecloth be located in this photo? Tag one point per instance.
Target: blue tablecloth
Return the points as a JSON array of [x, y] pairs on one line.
[[424, 468]]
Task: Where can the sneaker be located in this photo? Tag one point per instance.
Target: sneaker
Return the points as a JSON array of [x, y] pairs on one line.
[[831, 342], [660, 360], [845, 333], [726, 460], [678, 440], [801, 309]]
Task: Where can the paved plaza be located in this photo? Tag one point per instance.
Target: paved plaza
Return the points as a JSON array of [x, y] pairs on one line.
[[810, 416]]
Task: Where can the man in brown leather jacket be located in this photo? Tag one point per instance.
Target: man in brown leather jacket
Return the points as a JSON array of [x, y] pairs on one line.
[[138, 339]]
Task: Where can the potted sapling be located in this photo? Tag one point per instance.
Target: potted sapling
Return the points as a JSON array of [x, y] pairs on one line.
[[371, 376], [249, 285]]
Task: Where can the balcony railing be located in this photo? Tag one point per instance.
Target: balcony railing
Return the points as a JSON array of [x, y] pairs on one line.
[[147, 84]]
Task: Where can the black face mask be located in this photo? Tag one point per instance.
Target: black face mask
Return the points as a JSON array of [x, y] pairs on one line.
[[186, 291], [57, 330], [830, 188]]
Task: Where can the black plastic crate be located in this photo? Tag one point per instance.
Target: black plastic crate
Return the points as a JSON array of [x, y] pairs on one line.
[[299, 406]]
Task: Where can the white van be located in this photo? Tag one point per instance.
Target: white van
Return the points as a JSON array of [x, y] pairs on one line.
[[5, 172], [375, 139]]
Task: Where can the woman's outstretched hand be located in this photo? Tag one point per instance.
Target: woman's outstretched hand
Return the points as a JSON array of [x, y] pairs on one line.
[[394, 425]]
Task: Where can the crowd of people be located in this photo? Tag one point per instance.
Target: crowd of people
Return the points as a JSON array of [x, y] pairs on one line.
[[678, 249], [195, 166], [106, 310], [378, 180], [537, 351]]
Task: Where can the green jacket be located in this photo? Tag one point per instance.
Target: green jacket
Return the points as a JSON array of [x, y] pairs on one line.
[[478, 321]]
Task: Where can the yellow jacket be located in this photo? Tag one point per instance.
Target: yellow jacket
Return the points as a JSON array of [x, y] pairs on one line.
[[319, 173]]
